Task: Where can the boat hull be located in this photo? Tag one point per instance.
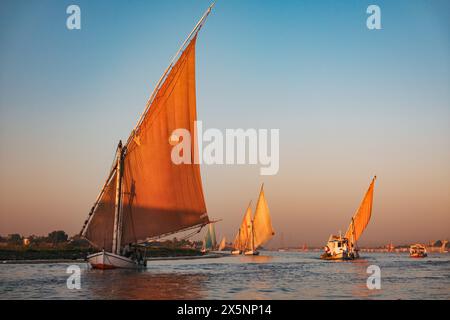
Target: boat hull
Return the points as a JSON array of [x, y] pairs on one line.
[[418, 255], [340, 256], [251, 253], [106, 260], [236, 252]]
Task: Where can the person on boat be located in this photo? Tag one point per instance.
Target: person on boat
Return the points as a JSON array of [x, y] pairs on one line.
[[139, 256], [127, 250]]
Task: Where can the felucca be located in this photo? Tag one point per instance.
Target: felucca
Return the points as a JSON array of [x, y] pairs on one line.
[[417, 250], [254, 232], [241, 239], [345, 248], [222, 244], [209, 242], [146, 196]]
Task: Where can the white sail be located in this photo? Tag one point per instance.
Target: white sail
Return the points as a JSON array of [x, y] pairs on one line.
[[222, 244], [262, 223]]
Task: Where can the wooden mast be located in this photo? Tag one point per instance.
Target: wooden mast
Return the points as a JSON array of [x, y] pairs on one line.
[[253, 235], [352, 241], [117, 231]]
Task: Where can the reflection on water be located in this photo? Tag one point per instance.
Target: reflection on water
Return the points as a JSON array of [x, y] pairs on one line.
[[272, 275], [142, 285], [255, 259]]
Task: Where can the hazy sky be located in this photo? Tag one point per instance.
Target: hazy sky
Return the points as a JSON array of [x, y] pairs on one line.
[[349, 103]]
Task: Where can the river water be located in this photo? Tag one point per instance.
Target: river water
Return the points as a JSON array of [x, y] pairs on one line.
[[272, 275]]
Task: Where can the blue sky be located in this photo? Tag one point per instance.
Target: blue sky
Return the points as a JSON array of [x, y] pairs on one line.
[[349, 103]]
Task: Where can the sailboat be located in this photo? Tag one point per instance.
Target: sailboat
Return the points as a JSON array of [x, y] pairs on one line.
[[241, 239], [222, 244], [417, 250], [209, 242], [345, 247], [146, 196], [254, 232]]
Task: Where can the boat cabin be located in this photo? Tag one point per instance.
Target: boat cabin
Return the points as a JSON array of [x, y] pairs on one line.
[[417, 251], [337, 244]]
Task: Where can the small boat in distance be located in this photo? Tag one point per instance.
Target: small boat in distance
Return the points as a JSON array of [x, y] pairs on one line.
[[417, 251], [223, 244], [345, 248], [209, 242], [254, 232], [241, 239], [146, 195]]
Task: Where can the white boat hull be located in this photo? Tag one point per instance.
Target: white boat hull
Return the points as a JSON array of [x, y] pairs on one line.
[[236, 252], [107, 260]]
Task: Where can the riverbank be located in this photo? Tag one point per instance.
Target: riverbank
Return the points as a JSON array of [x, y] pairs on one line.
[[65, 253], [34, 254]]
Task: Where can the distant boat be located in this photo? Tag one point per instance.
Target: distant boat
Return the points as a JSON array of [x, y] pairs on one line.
[[203, 249], [443, 247], [223, 244], [209, 242], [146, 196], [345, 248], [254, 232], [241, 239], [417, 251]]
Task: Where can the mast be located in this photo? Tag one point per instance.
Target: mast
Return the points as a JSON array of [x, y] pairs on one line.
[[353, 242], [354, 235], [239, 240], [253, 236], [239, 244], [117, 231]]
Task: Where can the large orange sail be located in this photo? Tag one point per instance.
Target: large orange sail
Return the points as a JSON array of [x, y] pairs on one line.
[[262, 223], [99, 231], [159, 196], [362, 217]]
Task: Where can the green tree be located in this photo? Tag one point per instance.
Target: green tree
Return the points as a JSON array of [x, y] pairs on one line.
[[57, 236], [15, 238]]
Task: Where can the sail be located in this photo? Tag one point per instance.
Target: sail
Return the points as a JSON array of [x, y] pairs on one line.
[[100, 228], [262, 223], [203, 245], [222, 244], [237, 241], [212, 232], [246, 230], [208, 240], [159, 196], [362, 216]]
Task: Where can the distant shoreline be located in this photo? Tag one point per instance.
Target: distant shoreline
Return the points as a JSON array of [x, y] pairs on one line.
[[42, 261], [69, 254]]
